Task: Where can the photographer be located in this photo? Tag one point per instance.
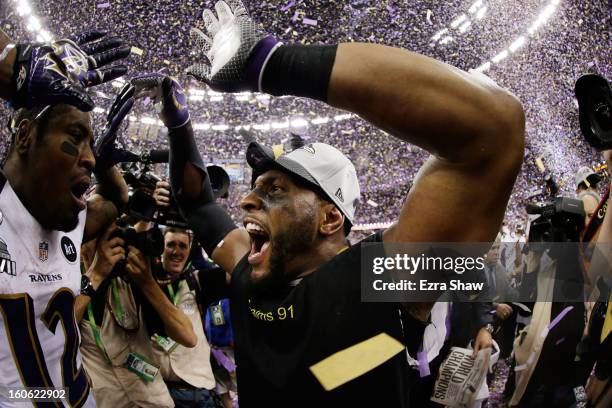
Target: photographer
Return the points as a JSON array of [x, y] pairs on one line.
[[186, 369], [112, 330]]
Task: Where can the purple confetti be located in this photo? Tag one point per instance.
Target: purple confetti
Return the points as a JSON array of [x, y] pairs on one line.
[[309, 21], [288, 6], [104, 5]]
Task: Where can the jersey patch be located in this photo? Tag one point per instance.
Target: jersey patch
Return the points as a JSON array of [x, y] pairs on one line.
[[6, 264], [68, 249], [43, 251]]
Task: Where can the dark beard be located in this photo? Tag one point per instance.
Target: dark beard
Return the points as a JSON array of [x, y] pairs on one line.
[[291, 243], [64, 225]]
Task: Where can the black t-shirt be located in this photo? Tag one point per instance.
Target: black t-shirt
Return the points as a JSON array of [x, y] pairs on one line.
[[279, 338]]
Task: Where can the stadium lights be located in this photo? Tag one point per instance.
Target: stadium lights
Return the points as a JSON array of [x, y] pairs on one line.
[[339, 118], [458, 21], [465, 26], [23, 8], [146, 120], [299, 122], [439, 34], [280, 125], [262, 126], [544, 16], [319, 121], [499, 57], [459, 24], [194, 91], [31, 22], [474, 8], [481, 13], [518, 43]]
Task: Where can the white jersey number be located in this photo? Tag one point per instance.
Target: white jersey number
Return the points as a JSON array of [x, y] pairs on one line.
[[18, 314]]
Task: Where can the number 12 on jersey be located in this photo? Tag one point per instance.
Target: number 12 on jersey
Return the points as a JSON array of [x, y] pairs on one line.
[[18, 314]]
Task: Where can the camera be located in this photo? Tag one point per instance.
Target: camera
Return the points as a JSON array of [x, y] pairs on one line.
[[142, 205], [559, 221], [595, 110], [149, 242]]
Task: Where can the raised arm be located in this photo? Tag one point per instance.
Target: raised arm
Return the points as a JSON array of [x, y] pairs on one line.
[[111, 192], [473, 128], [189, 180]]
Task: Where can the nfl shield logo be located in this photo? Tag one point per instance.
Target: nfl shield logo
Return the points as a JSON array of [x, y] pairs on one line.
[[43, 251]]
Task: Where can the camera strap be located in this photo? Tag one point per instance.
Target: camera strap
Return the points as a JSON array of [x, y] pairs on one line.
[[122, 318], [194, 286], [597, 218]]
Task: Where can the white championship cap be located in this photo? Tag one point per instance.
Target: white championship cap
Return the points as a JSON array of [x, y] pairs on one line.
[[586, 176], [317, 163]]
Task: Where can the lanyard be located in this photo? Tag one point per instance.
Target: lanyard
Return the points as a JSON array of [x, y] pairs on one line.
[[173, 296], [96, 332]]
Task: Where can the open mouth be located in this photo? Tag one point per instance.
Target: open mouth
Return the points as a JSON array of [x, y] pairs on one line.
[[260, 242], [78, 191]]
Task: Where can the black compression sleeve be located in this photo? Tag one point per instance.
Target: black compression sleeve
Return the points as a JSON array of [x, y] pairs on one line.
[[183, 150], [300, 70], [209, 221]]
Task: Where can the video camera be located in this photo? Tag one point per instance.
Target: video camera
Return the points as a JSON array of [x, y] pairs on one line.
[[142, 205], [559, 221]]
